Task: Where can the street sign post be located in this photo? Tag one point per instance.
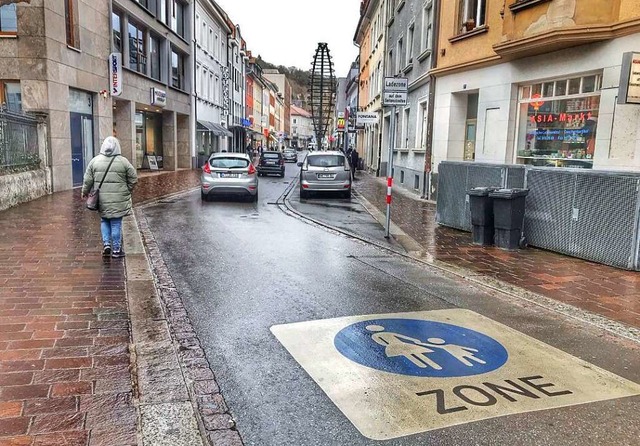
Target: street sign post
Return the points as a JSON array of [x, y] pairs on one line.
[[394, 93]]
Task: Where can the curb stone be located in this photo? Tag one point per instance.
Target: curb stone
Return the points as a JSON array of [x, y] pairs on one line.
[[214, 419]]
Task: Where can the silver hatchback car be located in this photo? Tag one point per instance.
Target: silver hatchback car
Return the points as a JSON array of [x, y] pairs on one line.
[[229, 174], [325, 171]]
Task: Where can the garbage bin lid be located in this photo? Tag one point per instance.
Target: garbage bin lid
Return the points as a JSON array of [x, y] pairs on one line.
[[509, 193], [481, 191]]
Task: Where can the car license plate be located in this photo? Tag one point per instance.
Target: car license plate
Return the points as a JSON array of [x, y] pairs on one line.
[[326, 176], [229, 175], [271, 163]]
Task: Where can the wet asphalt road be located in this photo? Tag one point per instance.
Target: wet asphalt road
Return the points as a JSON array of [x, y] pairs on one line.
[[242, 267]]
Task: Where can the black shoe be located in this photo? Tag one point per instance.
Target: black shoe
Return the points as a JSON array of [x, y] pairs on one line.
[[117, 254], [106, 251]]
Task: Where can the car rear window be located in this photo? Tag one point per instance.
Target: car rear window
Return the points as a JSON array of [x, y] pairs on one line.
[[326, 160], [229, 163], [271, 155]]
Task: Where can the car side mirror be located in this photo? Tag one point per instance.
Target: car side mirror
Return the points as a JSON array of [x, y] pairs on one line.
[[300, 164]]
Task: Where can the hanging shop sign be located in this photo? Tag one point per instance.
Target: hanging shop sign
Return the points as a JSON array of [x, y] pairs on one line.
[[115, 68], [630, 79], [158, 97], [225, 91], [363, 118]]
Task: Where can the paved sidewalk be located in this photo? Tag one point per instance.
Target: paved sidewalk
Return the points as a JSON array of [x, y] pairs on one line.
[[600, 289], [64, 324]]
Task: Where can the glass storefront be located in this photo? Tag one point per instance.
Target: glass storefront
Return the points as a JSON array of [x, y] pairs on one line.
[[558, 121], [148, 138]]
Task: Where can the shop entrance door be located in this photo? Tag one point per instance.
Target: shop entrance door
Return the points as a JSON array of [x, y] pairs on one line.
[[82, 146]]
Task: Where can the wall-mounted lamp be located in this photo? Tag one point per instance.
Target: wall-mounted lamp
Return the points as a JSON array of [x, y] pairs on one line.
[[104, 94]]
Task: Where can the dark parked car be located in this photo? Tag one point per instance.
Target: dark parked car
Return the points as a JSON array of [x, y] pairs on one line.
[[271, 163]]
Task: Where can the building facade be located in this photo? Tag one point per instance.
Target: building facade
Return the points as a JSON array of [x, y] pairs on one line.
[[370, 37], [54, 60], [537, 83], [301, 127], [351, 103], [237, 58], [284, 88], [152, 111], [409, 47], [210, 49]]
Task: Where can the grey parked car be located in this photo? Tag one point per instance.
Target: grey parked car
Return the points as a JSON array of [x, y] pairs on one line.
[[290, 155], [229, 174], [325, 171]]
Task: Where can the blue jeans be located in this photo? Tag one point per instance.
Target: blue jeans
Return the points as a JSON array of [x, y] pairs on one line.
[[112, 232]]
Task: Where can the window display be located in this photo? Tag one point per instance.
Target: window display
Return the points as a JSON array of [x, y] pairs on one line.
[[558, 122]]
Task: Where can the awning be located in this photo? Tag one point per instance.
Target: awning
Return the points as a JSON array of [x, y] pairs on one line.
[[216, 129]]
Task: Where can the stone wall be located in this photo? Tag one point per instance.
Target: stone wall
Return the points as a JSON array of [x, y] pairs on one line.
[[24, 186]]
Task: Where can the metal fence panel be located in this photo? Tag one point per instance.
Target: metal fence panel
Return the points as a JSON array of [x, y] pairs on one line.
[[605, 213], [451, 208], [18, 141], [548, 223], [456, 178]]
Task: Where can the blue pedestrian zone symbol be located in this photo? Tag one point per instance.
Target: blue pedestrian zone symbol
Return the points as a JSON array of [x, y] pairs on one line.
[[420, 348]]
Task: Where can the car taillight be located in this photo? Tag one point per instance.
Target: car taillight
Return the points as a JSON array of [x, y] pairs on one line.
[[282, 161], [252, 169], [206, 167]]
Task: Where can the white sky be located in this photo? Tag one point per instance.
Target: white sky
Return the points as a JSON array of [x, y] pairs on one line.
[[287, 32]]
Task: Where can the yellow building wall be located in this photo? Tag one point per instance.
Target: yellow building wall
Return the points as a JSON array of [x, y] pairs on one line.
[[471, 48], [629, 9], [365, 53]]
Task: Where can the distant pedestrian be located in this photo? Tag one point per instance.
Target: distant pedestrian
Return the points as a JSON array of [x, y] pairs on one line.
[[118, 179], [353, 159]]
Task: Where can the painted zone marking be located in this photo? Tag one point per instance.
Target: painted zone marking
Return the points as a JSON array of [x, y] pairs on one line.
[[400, 374]]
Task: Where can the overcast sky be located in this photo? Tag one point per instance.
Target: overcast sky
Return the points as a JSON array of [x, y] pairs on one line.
[[287, 32]]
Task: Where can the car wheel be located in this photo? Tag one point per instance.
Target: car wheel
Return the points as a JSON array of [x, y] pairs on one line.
[[203, 196], [255, 197], [303, 193], [347, 194]]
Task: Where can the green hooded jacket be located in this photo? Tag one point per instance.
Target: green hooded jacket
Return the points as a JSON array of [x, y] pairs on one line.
[[115, 193]]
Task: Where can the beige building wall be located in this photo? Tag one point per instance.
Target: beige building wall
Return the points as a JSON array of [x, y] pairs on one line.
[[47, 67]]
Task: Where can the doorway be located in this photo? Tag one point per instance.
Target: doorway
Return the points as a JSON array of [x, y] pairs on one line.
[[82, 141]]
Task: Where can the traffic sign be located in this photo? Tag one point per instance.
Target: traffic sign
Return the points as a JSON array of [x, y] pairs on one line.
[[394, 98], [394, 375], [400, 84]]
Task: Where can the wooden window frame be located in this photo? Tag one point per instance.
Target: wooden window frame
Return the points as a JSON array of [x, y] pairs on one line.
[[71, 23]]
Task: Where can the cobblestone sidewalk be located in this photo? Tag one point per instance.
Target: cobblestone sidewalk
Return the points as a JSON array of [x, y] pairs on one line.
[[64, 324], [600, 289]]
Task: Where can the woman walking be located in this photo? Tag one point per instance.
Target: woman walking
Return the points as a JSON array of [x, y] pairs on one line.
[[119, 178]]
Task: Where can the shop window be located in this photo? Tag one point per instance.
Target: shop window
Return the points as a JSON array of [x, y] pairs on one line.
[[8, 19], [471, 15], [116, 30], [560, 130], [10, 96], [177, 70], [148, 138], [71, 19], [137, 48]]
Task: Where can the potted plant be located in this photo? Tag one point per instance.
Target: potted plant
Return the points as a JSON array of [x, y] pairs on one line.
[[469, 25]]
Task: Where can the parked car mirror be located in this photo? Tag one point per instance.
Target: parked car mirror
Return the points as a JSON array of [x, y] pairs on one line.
[[300, 164]]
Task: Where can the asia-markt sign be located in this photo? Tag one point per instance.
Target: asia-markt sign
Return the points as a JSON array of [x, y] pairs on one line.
[[115, 70]]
